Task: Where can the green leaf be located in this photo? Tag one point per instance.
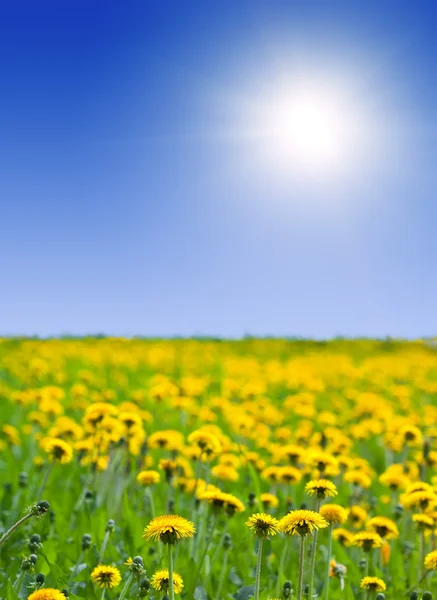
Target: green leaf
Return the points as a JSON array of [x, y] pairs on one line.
[[200, 593], [11, 594], [244, 593]]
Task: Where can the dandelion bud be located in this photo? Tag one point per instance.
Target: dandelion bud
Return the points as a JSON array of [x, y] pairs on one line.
[[287, 590], [227, 542], [426, 449], [306, 589], [398, 511], [35, 544], [22, 480], [407, 548], [110, 526], [303, 506], [138, 560], [65, 592], [42, 507], [144, 588], [33, 558], [27, 565], [252, 499], [88, 496], [40, 579], [87, 540], [380, 597], [426, 596], [363, 563], [414, 596], [7, 488]]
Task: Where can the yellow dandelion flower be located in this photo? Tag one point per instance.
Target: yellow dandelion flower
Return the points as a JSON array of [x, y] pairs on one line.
[[46, 594], [147, 478], [269, 500], [225, 473], [373, 584], [289, 475], [233, 504], [343, 536], [423, 521], [356, 515], [367, 540], [321, 488], [384, 527], [106, 576], [334, 514], [263, 525], [431, 561], [58, 450], [358, 478], [160, 581], [301, 522], [169, 529]]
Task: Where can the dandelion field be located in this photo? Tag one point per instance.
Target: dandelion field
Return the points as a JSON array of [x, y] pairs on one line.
[[207, 469]]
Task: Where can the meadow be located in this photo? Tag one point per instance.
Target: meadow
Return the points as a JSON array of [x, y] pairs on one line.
[[212, 469]]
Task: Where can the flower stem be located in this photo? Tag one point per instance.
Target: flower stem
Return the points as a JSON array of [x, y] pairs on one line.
[[301, 563], [313, 556], [103, 594], [126, 586], [328, 558], [422, 547], [170, 571], [223, 573], [74, 571], [281, 568], [258, 568], [103, 547], [14, 527], [18, 582], [45, 480], [151, 502]]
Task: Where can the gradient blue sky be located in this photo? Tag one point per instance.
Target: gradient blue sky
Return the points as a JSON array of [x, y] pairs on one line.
[[131, 202]]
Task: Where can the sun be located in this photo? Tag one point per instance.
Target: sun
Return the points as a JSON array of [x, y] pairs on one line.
[[307, 128]]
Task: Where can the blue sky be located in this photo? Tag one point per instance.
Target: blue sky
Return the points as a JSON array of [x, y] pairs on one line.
[[138, 198]]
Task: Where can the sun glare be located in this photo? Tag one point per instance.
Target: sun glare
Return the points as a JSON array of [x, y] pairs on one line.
[[307, 128]]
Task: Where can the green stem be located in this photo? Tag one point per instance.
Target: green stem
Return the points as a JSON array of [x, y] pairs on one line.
[[327, 578], [126, 586], [422, 548], [103, 547], [170, 571], [45, 480], [151, 502], [103, 594], [258, 568], [18, 582], [222, 574], [220, 543], [367, 563], [74, 571], [14, 527], [313, 556], [208, 542], [281, 568], [301, 563], [418, 582]]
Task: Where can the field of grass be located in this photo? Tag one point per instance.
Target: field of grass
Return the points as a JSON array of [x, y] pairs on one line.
[[98, 437]]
